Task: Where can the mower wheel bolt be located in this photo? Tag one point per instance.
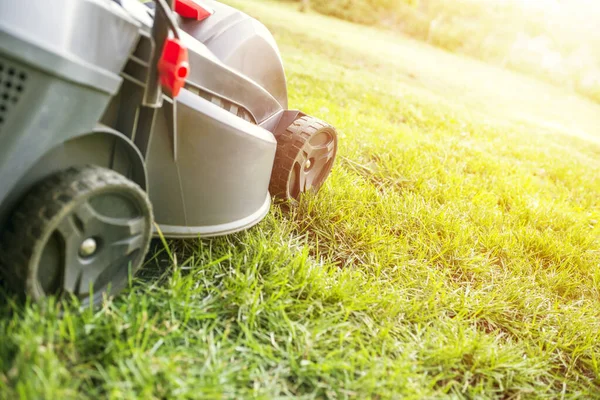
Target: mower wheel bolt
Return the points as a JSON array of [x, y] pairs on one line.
[[88, 247]]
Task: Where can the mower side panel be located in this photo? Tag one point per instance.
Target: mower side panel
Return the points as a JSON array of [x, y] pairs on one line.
[[54, 88], [209, 170]]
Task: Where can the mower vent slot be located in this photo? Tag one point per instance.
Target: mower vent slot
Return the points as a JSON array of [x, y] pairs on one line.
[[12, 85], [225, 104], [138, 65]]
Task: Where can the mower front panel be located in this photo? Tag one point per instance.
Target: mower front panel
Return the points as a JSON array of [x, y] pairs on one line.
[[209, 170]]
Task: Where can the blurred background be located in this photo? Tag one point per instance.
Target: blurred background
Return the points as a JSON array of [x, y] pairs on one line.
[[555, 40]]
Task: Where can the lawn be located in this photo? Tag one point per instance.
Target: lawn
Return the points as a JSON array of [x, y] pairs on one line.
[[454, 252]]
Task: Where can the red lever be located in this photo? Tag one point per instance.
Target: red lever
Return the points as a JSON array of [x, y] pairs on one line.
[[191, 9], [173, 66]]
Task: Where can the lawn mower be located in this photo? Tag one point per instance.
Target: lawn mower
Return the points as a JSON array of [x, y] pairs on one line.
[[120, 121]]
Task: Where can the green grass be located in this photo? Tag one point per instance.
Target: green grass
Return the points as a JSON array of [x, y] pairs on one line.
[[550, 40], [454, 252]]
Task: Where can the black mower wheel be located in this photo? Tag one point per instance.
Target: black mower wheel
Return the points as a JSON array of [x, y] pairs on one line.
[[80, 232], [304, 158]]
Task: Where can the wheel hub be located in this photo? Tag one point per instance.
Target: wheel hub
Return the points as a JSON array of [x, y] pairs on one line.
[[307, 164], [88, 247]]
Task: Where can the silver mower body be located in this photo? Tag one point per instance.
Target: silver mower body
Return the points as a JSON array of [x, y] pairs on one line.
[[96, 153], [76, 97]]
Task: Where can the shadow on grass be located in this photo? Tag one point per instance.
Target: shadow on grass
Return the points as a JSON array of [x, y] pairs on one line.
[[155, 270], [156, 264], [9, 303]]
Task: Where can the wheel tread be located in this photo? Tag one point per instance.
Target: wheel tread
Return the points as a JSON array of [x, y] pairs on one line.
[[289, 144]]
